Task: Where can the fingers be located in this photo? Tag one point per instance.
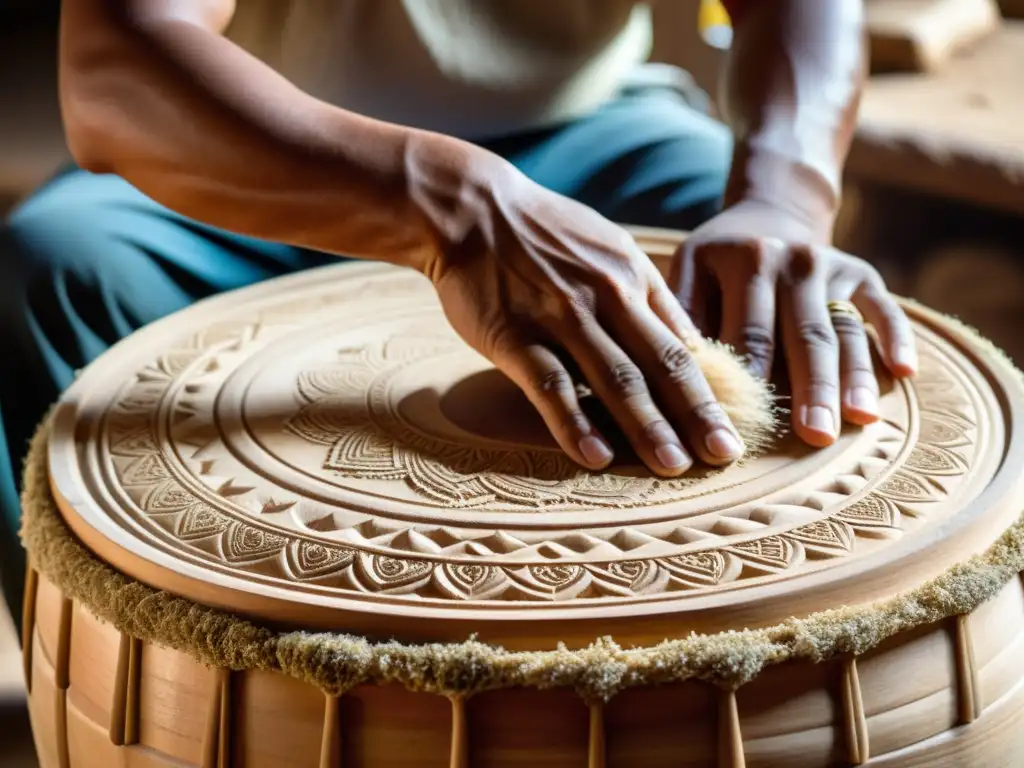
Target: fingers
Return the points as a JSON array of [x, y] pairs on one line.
[[693, 289], [812, 355], [896, 337], [748, 320], [668, 309], [619, 383], [858, 383], [549, 386], [677, 382]]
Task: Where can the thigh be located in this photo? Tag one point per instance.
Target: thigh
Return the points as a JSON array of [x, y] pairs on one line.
[[84, 262], [647, 158]]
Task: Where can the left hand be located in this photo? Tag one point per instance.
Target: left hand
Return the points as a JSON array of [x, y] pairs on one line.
[[767, 268]]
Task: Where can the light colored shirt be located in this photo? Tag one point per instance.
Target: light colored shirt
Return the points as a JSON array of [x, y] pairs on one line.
[[470, 68]]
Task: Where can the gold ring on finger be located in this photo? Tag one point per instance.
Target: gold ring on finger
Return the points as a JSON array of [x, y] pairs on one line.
[[838, 307]]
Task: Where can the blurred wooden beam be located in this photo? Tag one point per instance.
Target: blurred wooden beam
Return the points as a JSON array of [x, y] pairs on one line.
[[923, 35]]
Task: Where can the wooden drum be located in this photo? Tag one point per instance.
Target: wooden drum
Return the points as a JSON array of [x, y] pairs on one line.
[[303, 525]]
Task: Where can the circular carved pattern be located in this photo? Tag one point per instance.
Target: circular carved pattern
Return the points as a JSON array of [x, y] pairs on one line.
[[262, 452]]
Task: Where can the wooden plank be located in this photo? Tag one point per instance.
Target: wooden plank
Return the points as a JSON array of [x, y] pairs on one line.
[[923, 35]]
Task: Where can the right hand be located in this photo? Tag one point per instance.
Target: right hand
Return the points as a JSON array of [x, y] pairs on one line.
[[540, 284]]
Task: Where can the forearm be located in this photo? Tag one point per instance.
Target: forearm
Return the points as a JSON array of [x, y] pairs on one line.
[[792, 86], [209, 131]]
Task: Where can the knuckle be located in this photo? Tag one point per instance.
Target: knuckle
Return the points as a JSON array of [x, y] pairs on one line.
[[758, 343], [816, 334], [570, 310], [556, 382], [575, 422], [847, 326], [623, 293], [753, 257], [680, 364], [803, 262], [498, 340], [623, 270], [625, 379], [707, 412]]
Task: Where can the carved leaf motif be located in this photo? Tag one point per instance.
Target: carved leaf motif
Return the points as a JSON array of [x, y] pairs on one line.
[[903, 486], [146, 470], [558, 577], [705, 567], [137, 443], [471, 581], [832, 536], [308, 559], [637, 575], [932, 460], [201, 521], [872, 511], [246, 542], [334, 381], [167, 497], [943, 430], [394, 573], [773, 553], [364, 453]]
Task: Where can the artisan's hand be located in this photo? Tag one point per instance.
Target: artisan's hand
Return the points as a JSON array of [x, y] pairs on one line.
[[765, 269], [542, 285]]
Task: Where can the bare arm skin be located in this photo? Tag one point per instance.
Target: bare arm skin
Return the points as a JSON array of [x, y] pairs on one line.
[[764, 268], [792, 86], [152, 91]]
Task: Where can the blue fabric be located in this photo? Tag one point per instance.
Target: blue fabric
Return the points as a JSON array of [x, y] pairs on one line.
[[88, 259]]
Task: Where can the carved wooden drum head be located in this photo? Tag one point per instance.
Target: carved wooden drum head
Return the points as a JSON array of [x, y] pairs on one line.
[[323, 451]]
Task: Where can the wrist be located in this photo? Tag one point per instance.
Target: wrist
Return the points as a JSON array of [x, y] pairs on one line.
[[799, 188], [451, 185]]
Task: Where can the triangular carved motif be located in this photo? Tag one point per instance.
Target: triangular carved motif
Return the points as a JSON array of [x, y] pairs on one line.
[[247, 542], [201, 521], [145, 470], [310, 559]]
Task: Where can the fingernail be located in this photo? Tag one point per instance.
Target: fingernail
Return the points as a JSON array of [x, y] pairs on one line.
[[819, 419], [723, 444], [905, 356], [863, 399], [595, 451], [672, 457]]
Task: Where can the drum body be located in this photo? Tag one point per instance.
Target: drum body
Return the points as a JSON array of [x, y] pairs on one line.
[[322, 455]]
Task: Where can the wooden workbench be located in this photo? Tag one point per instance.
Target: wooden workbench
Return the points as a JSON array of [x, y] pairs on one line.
[[957, 134]]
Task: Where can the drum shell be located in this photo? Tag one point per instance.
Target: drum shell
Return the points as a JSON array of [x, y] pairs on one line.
[[949, 691]]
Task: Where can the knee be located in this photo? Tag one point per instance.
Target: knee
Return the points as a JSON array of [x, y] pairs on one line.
[[681, 181], [40, 237], [704, 160]]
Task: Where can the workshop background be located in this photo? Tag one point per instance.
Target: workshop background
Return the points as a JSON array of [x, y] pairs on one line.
[[934, 190]]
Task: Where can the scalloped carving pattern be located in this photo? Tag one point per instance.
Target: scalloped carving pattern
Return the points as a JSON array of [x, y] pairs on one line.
[[176, 475]]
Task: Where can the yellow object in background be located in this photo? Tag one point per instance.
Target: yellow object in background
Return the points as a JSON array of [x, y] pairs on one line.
[[714, 25]]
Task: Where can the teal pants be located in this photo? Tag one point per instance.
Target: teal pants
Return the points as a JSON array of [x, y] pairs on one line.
[[88, 259]]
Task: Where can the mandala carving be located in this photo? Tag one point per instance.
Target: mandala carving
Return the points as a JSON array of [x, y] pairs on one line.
[[348, 407], [332, 460]]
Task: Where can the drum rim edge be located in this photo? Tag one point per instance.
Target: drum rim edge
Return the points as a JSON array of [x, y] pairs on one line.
[[597, 671]]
